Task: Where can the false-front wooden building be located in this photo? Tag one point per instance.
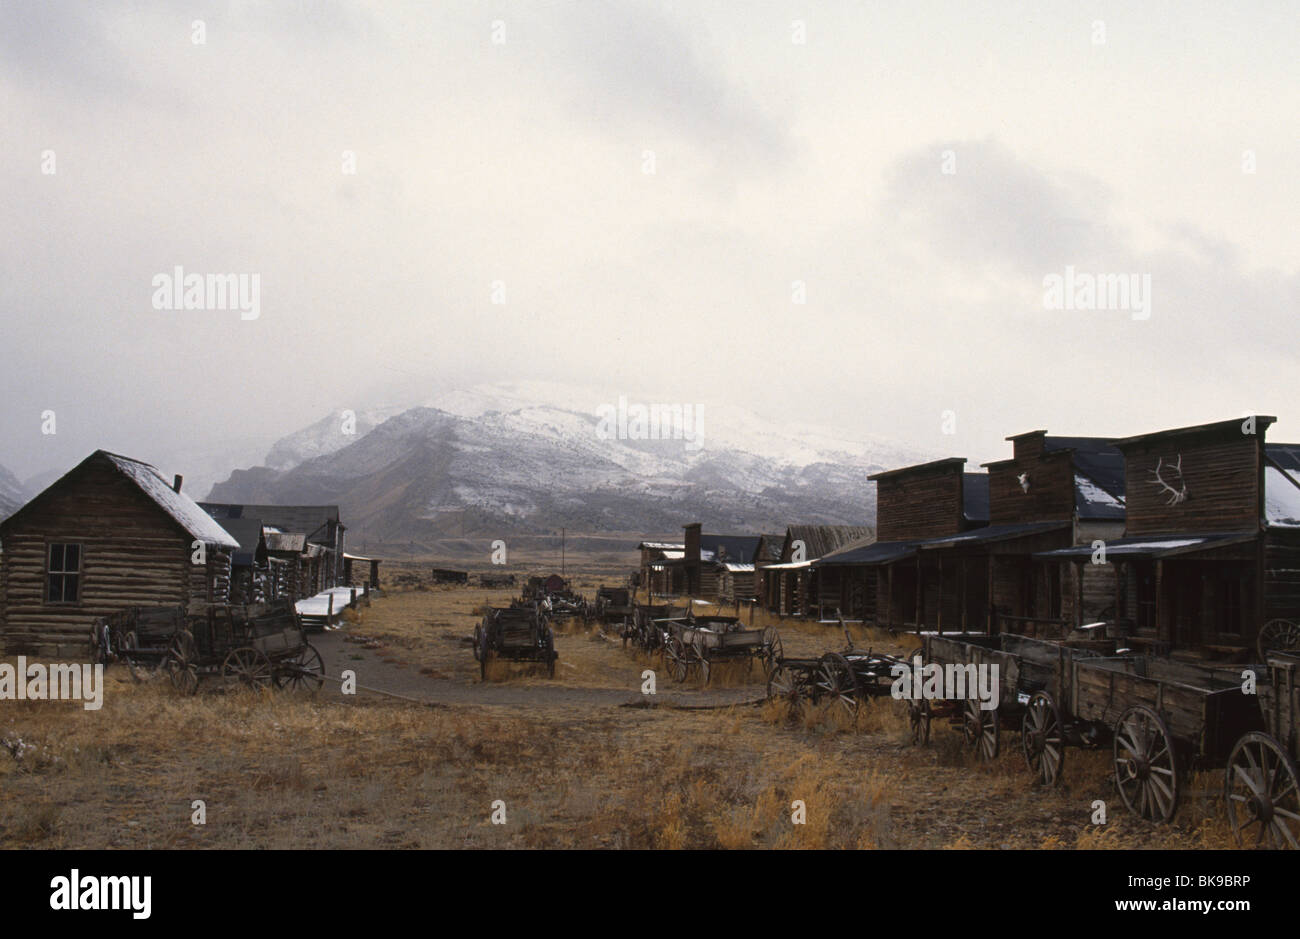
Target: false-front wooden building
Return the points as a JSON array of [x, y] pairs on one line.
[[889, 581], [108, 535], [1211, 546], [1053, 492]]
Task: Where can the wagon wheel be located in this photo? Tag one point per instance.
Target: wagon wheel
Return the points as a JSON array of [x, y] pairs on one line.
[[480, 642], [304, 669], [1261, 788], [181, 662], [1042, 739], [1277, 635], [246, 667], [785, 683], [835, 680], [1146, 770], [675, 659], [980, 728], [772, 650], [127, 653]]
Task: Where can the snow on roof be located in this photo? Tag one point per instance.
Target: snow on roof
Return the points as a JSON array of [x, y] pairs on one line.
[[180, 507], [739, 568], [662, 545], [1281, 498], [1092, 501]]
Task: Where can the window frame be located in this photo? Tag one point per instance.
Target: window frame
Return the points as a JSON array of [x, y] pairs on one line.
[[63, 572]]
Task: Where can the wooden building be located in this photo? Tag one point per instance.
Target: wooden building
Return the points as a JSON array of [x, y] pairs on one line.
[[705, 560], [250, 567], [1053, 492], [660, 571], [321, 554], [108, 535], [1211, 544], [913, 505], [794, 586]]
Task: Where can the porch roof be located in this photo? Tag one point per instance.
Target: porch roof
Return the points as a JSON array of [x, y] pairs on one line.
[[1154, 546]]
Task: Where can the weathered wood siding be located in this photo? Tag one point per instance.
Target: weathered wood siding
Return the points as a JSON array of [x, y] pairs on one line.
[[1222, 473], [926, 503], [1050, 496]]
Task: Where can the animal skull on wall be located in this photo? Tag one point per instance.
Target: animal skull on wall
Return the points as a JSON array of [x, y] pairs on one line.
[[1023, 479], [1178, 489]]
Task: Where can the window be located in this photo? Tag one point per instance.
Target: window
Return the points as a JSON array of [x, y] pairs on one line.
[[63, 578]]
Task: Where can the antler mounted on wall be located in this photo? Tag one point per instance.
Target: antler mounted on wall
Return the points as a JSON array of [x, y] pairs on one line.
[[1176, 495]]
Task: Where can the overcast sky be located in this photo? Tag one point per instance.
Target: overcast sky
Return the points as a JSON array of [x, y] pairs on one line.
[[525, 161]]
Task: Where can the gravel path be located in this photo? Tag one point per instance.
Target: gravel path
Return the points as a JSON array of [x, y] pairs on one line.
[[374, 673]]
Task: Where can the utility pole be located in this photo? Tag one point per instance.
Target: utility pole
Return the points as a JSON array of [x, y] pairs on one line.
[[562, 531]]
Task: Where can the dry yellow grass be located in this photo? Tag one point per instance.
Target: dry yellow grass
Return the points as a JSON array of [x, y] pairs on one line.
[[279, 771]]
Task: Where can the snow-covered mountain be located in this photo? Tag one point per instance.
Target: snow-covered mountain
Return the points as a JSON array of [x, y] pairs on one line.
[[533, 457], [12, 493]]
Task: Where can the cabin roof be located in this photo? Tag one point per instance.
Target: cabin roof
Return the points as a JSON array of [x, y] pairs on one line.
[[277, 540], [821, 540], [181, 508], [727, 547], [304, 518], [878, 552], [248, 532], [920, 467], [769, 547], [990, 534], [1262, 421]]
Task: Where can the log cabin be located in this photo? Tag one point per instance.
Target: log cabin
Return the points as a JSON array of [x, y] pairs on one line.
[[250, 568], [705, 559], [108, 535], [1211, 544]]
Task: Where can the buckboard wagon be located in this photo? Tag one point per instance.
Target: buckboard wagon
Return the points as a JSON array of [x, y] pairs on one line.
[[613, 604], [517, 634], [252, 646], [642, 628], [696, 644], [847, 678], [1030, 671]]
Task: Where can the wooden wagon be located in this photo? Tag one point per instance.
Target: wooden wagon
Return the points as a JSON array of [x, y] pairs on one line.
[[1261, 785], [642, 629], [516, 634], [1033, 674], [847, 678], [613, 604], [249, 647], [1164, 718], [138, 638], [696, 644]]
